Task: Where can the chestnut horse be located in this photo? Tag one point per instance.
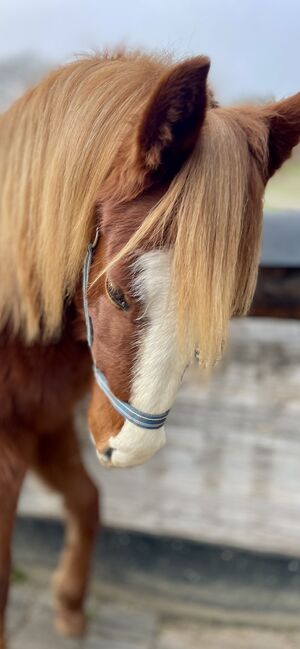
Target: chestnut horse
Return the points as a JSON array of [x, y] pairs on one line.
[[132, 152]]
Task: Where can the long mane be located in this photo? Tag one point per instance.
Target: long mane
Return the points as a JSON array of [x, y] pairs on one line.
[[213, 214], [59, 144]]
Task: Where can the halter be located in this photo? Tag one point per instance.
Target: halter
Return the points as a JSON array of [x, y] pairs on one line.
[[129, 412]]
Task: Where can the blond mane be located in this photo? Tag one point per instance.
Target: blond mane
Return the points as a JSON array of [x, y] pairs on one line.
[[213, 214], [58, 146]]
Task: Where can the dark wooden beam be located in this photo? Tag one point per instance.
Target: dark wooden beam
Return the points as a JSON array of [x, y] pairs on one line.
[[277, 293], [278, 288]]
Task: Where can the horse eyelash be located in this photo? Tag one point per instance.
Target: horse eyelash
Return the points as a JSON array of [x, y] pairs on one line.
[[112, 294]]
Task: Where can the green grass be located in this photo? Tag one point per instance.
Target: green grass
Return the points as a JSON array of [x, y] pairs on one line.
[[18, 576], [283, 191]]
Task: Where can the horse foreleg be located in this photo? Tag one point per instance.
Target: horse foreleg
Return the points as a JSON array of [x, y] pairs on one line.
[[12, 471], [60, 466]]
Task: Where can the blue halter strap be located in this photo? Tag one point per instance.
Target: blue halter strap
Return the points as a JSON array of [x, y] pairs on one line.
[[129, 412]]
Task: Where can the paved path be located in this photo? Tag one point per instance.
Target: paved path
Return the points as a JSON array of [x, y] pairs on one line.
[[230, 473], [121, 624], [155, 594]]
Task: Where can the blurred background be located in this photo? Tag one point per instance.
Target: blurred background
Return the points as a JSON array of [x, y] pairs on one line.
[[202, 545]]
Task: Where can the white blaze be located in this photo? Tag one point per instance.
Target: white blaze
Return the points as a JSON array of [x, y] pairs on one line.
[[160, 364]]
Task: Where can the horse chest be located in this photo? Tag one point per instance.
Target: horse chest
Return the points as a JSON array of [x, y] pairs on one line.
[[39, 385]]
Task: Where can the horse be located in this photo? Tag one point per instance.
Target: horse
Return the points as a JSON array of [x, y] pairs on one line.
[[130, 225]]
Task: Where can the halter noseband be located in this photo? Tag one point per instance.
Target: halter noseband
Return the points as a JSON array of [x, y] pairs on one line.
[[129, 412]]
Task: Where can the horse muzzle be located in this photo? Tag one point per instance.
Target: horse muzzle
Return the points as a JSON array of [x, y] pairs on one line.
[[132, 446]]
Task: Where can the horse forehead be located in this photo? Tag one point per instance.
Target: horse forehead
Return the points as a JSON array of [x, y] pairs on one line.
[[152, 274], [121, 220]]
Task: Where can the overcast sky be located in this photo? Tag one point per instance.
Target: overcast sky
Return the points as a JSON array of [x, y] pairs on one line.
[[254, 44]]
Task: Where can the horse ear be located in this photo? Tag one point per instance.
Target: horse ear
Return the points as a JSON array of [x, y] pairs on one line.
[[173, 117], [284, 130]]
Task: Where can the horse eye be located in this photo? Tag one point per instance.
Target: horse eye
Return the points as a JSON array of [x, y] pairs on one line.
[[116, 296]]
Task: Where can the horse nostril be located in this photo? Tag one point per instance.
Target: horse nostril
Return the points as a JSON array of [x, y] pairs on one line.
[[108, 453]]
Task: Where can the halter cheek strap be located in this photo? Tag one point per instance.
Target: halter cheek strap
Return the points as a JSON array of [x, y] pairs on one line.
[[129, 412]]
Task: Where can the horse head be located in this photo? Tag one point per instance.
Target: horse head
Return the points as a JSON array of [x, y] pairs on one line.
[[179, 223]]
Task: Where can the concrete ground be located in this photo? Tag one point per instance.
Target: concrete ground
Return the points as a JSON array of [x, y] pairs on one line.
[[150, 593], [119, 622]]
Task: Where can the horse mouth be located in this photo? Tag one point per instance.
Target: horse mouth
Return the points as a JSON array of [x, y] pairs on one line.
[[105, 458]]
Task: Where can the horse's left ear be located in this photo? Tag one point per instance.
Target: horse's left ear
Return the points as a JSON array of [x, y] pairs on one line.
[[283, 119], [173, 117]]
